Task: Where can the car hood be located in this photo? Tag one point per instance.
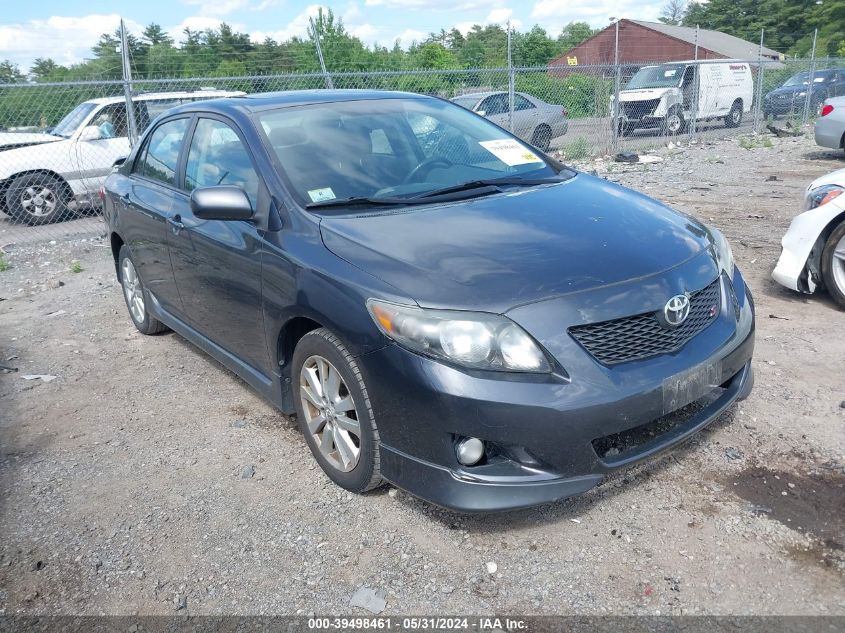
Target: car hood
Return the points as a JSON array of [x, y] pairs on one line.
[[494, 253], [12, 140], [789, 91], [643, 94]]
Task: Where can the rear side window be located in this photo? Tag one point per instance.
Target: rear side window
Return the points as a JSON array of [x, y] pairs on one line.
[[160, 157], [521, 103], [217, 157]]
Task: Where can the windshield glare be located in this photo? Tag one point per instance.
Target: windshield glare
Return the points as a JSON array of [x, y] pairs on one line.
[[391, 148], [802, 79], [665, 76], [73, 120]]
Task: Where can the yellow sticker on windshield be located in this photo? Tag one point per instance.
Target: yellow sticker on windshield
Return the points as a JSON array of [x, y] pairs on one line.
[[511, 153], [321, 195]]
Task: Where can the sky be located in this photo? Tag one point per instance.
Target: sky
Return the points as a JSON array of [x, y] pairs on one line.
[[65, 30]]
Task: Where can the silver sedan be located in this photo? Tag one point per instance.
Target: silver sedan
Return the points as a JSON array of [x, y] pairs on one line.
[[534, 121], [830, 126]]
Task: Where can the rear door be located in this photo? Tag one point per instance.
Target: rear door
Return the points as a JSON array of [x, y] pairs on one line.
[[217, 264], [526, 117], [146, 210]]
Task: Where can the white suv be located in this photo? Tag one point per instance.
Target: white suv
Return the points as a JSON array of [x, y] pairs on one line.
[[46, 176]]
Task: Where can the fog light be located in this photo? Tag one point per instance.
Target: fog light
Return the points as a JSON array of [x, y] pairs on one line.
[[470, 450]]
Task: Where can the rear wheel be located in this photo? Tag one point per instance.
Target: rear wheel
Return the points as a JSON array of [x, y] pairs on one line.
[[833, 265], [135, 295], [334, 412], [542, 137], [37, 199], [734, 117]]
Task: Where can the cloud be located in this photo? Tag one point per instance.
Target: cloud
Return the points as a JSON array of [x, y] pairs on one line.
[[298, 26], [433, 5], [217, 7], [499, 16], [67, 40], [198, 23], [554, 14], [409, 36]]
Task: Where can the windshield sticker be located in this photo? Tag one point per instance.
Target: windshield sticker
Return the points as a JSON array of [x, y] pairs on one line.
[[321, 195], [669, 73], [510, 152]]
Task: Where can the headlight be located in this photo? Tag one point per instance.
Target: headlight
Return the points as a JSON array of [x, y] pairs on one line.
[[802, 94], [724, 255], [471, 339], [822, 195]]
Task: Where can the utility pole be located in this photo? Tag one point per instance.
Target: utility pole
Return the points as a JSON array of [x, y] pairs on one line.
[[695, 92], [511, 80], [127, 85], [316, 37], [759, 97]]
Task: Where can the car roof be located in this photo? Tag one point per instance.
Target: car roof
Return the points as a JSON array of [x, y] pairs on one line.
[[489, 93], [258, 102], [185, 94]]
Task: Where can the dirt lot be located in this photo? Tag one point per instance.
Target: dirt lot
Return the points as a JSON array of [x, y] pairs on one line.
[[122, 484]]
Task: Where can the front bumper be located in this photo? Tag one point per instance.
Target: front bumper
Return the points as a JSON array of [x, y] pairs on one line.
[[544, 433]]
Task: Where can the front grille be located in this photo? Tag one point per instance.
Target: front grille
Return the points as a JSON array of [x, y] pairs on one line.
[[639, 109], [643, 335]]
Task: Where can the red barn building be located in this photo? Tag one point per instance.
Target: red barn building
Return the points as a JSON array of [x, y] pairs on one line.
[[648, 42]]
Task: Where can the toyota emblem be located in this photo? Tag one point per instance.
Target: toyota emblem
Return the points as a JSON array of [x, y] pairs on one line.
[[676, 310]]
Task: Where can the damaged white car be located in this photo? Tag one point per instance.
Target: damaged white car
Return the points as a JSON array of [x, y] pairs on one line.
[[813, 253]]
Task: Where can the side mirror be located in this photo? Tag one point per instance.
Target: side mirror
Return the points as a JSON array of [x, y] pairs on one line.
[[221, 202], [481, 113], [90, 133]]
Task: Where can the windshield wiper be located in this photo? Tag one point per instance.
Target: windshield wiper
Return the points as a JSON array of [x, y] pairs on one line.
[[357, 201], [489, 182]]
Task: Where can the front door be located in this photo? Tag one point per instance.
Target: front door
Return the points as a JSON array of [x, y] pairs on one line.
[[217, 263], [94, 158]]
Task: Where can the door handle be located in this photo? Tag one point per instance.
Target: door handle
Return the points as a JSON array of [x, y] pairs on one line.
[[124, 198], [175, 223]]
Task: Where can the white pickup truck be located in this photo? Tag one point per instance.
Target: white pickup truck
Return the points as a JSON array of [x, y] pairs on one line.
[[46, 176]]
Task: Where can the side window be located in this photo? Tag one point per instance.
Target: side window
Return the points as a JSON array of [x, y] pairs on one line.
[[217, 157], [112, 121], [495, 104], [521, 103], [160, 157]]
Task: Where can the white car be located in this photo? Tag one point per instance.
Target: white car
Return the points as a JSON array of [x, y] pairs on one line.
[[44, 176], [534, 120], [813, 253], [830, 126], [670, 96]]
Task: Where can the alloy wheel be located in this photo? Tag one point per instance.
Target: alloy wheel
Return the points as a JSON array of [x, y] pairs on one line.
[[132, 290], [838, 265], [674, 123], [38, 201], [330, 413]]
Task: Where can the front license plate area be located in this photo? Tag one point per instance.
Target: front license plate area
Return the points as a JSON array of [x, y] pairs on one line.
[[682, 389]]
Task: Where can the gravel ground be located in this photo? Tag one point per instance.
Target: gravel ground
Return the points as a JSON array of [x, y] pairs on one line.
[[147, 479]]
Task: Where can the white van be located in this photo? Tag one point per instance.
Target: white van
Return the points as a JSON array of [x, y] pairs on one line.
[[671, 95]]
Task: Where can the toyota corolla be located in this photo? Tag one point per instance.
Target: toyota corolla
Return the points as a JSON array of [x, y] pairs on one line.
[[443, 306]]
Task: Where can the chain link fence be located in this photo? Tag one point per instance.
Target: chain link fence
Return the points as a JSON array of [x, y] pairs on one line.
[[59, 141]]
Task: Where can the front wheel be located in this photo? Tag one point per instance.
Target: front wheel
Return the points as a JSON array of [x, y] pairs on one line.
[[674, 122], [833, 265], [36, 199], [334, 412]]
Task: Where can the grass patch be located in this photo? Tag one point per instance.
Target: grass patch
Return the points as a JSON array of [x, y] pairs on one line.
[[577, 149], [76, 267], [751, 141], [4, 263]]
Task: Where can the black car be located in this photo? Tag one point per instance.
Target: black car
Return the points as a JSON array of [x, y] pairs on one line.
[[441, 305], [791, 97]]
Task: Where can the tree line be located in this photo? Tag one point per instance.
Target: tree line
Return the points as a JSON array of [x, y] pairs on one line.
[[224, 52]]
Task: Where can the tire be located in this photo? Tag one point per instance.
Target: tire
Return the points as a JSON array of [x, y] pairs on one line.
[[833, 265], [673, 123], [542, 137], [36, 199], [734, 118], [317, 355], [136, 296]]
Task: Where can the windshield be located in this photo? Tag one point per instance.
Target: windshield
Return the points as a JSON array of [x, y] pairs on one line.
[[466, 102], [73, 120], [391, 148], [802, 79], [665, 76]]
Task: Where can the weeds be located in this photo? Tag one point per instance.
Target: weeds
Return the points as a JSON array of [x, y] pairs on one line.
[[76, 267], [4, 263], [752, 142], [577, 149]]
